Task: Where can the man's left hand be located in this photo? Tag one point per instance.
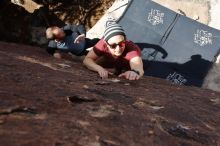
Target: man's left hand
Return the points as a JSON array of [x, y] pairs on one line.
[[80, 38], [130, 75]]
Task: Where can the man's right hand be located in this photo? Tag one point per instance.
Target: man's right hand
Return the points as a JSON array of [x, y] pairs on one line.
[[103, 73], [80, 38]]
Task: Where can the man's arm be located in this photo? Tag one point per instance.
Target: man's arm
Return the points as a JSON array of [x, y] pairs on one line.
[[50, 50], [81, 29], [70, 27], [52, 47], [136, 64], [90, 63], [136, 71], [82, 33]]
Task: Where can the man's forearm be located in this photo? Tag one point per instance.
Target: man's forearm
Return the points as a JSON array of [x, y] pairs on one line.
[[90, 64], [81, 29], [137, 65]]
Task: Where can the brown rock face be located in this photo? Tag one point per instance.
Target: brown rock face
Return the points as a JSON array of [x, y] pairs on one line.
[[49, 102]]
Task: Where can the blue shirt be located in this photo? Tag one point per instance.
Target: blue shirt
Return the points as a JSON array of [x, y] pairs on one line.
[[67, 44]]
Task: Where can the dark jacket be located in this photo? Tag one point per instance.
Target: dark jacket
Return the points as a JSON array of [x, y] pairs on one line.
[[67, 45]]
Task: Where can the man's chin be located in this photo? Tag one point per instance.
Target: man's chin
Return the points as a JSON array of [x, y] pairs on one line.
[[117, 55]]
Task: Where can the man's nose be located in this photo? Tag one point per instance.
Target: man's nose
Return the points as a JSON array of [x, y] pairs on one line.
[[117, 48]]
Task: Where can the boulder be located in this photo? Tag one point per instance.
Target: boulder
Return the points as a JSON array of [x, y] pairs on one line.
[[45, 101]]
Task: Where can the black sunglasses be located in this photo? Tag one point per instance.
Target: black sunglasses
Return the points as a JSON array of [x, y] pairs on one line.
[[120, 44]]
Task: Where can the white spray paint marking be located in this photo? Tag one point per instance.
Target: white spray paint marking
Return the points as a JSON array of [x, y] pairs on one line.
[[176, 78], [155, 17], [202, 37]]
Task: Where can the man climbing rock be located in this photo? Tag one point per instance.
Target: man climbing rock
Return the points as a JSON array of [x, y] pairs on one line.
[[113, 50]]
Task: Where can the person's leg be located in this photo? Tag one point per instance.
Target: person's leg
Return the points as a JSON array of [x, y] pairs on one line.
[[91, 42]]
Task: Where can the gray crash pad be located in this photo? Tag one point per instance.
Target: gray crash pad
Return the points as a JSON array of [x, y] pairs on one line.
[[174, 47]]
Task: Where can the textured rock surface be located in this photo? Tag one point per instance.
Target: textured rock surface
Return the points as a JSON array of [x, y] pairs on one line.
[[44, 101]]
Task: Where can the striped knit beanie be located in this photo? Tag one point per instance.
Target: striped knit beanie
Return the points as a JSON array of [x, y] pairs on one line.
[[112, 29]]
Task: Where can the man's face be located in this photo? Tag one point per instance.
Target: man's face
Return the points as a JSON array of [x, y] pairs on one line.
[[58, 33], [116, 45]]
